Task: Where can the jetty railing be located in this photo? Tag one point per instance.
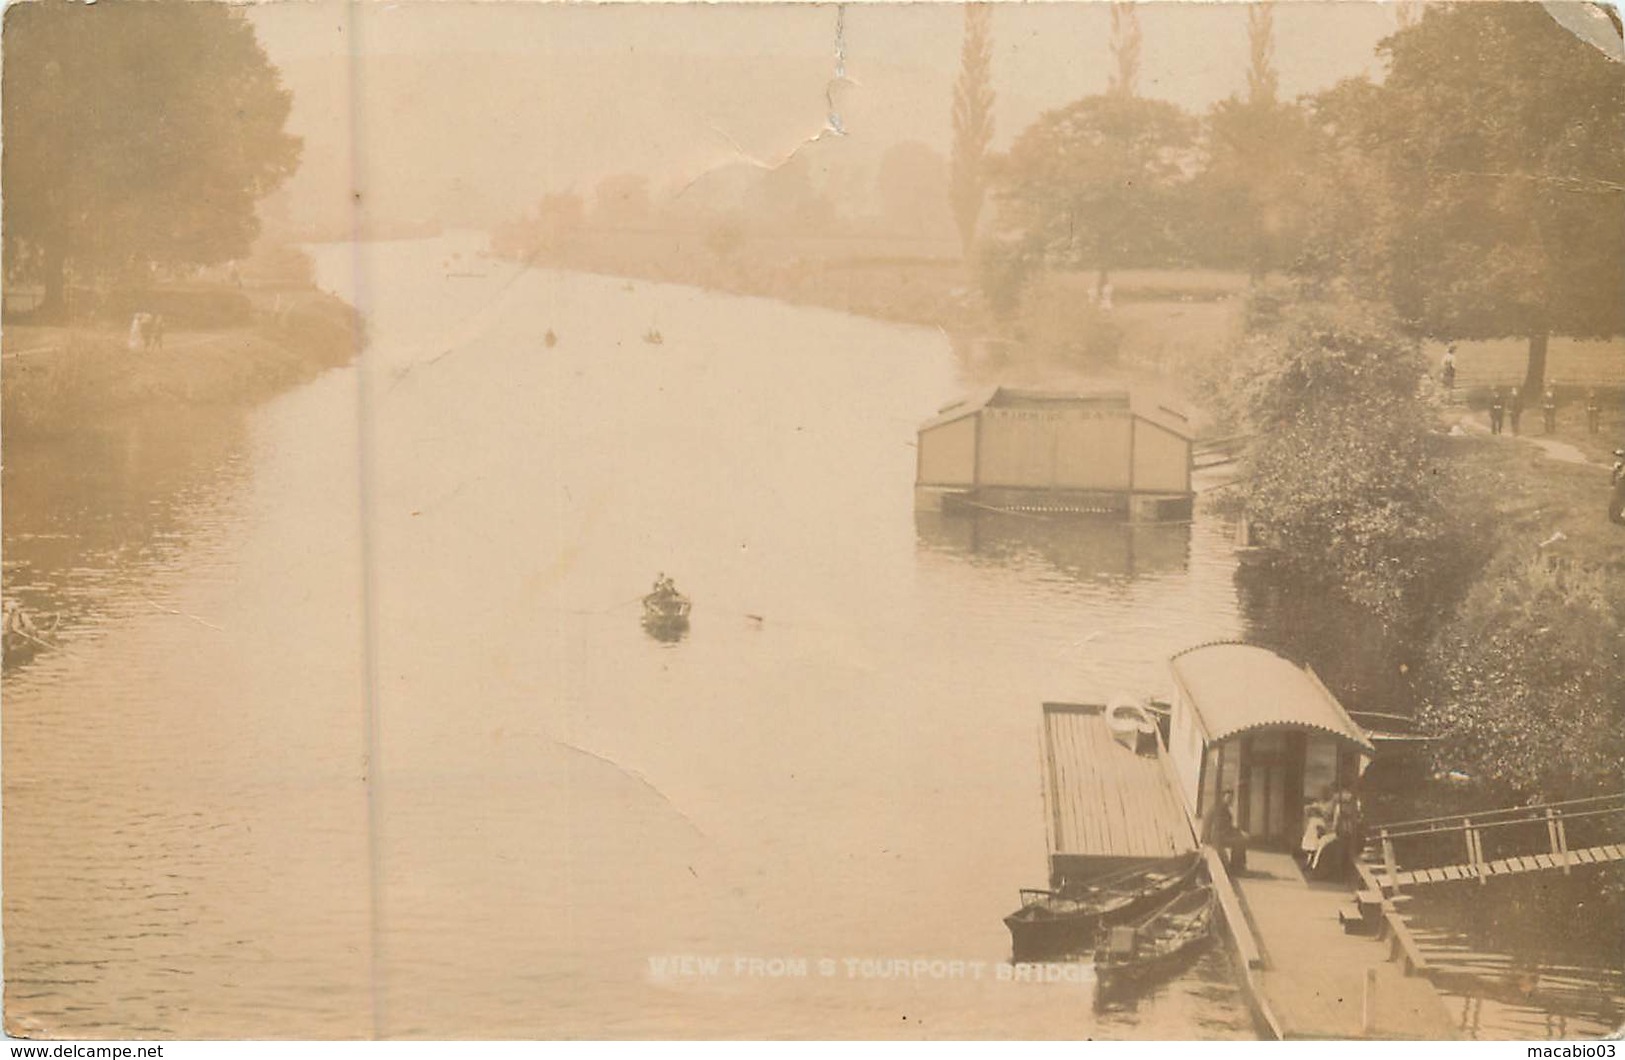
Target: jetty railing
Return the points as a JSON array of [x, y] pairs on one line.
[[1477, 845]]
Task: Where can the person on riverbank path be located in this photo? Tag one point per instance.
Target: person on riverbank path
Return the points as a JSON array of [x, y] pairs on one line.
[[1497, 409], [1548, 412], [1515, 409], [1593, 412], [1447, 374]]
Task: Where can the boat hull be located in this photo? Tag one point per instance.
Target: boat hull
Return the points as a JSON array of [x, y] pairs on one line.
[[1164, 941], [1039, 934]]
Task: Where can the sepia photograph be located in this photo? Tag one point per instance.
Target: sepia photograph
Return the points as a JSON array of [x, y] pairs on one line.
[[866, 521]]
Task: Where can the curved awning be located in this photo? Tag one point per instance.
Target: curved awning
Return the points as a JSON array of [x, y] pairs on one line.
[[1237, 688]]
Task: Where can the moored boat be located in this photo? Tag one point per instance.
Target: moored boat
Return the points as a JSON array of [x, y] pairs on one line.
[[1156, 941], [1067, 922]]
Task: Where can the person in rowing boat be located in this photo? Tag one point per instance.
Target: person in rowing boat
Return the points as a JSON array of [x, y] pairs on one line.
[[18, 623], [665, 592], [1220, 831]]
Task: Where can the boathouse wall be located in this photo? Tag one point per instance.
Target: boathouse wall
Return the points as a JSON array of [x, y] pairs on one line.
[[947, 455], [1101, 451], [1161, 459]]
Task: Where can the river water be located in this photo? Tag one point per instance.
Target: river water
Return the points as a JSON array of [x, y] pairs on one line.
[[354, 731]]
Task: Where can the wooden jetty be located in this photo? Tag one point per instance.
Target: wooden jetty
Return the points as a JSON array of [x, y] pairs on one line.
[[1305, 974], [1317, 960], [1107, 804]]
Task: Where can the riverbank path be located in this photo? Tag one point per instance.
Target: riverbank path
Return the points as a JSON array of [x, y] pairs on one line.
[[1318, 981]]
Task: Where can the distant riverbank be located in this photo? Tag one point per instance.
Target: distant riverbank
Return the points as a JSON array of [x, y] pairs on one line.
[[60, 379], [1164, 323]]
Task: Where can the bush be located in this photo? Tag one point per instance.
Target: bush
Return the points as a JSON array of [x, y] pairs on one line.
[[1524, 682], [1337, 469]]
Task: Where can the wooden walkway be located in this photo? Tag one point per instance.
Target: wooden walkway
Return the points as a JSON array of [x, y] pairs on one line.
[[1506, 866], [1308, 977], [1103, 800], [1544, 837]]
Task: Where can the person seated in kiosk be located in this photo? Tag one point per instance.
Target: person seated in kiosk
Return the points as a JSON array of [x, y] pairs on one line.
[[1319, 833]]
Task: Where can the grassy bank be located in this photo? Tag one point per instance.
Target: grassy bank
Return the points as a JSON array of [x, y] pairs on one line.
[[58, 379]]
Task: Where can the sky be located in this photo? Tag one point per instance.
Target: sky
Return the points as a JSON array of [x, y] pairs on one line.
[[441, 107]]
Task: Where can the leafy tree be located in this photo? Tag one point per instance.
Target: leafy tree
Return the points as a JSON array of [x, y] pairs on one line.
[[1336, 472], [1253, 199], [1097, 184], [973, 124], [136, 135], [1523, 686], [1500, 138]]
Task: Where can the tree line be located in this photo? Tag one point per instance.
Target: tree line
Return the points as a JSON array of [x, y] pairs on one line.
[[1478, 188], [139, 137]]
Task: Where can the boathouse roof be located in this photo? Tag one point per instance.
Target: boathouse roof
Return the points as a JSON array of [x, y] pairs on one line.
[[1236, 688], [1135, 403]]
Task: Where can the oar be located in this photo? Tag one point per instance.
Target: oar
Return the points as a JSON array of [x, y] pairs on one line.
[[30, 636]]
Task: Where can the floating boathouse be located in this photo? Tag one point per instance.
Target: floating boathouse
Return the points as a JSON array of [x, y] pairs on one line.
[[1109, 451]]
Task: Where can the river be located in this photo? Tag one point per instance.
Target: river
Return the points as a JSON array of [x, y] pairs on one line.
[[354, 730]]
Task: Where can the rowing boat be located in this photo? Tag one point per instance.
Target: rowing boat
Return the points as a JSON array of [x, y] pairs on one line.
[[1156, 941], [1067, 922]]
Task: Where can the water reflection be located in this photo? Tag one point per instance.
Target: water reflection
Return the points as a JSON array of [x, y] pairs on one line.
[[1362, 661], [90, 516], [1530, 956], [1084, 548]]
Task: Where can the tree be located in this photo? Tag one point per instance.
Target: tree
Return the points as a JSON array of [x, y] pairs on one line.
[[1250, 198], [1252, 201], [1336, 473], [1097, 184], [136, 135], [1261, 77], [1125, 44], [973, 124], [560, 216], [1501, 140]]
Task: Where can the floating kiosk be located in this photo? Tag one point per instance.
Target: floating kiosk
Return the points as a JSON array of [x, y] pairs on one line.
[[1247, 721], [1110, 452], [1264, 729]]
